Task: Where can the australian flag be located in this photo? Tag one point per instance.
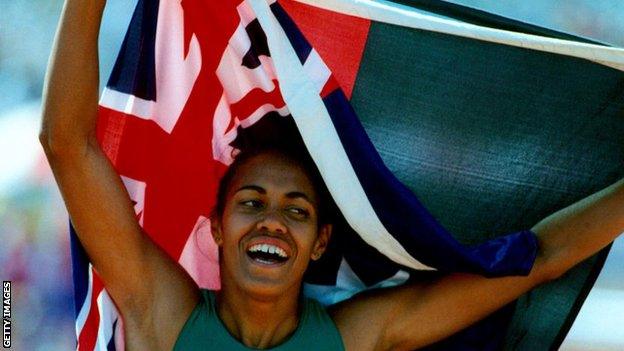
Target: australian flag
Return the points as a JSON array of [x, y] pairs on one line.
[[193, 76]]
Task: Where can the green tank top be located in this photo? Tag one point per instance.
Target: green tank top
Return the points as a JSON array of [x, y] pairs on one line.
[[204, 330]]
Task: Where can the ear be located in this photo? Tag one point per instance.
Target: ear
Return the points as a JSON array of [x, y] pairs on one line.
[[322, 240], [215, 230]]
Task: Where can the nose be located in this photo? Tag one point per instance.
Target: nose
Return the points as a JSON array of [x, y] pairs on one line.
[[272, 222]]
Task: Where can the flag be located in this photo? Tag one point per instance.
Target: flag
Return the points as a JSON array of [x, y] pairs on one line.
[[391, 101]]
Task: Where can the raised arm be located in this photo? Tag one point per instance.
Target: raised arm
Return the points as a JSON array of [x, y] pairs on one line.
[[417, 315], [141, 279]]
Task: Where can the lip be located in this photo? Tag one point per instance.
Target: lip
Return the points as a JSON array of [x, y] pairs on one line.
[[265, 265], [269, 240]]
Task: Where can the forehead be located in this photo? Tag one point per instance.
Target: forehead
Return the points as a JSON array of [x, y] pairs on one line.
[[273, 172]]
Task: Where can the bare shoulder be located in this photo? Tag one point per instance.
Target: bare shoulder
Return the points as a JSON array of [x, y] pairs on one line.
[[154, 316], [363, 320]]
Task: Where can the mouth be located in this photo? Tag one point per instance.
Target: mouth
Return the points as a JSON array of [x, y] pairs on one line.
[[267, 254]]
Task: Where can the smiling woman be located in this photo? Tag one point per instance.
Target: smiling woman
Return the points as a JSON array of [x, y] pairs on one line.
[[268, 228], [271, 207]]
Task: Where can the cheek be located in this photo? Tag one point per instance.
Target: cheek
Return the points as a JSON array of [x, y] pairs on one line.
[[232, 219], [232, 229], [307, 238]]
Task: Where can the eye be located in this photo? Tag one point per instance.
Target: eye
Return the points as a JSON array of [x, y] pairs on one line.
[[252, 203], [298, 212]]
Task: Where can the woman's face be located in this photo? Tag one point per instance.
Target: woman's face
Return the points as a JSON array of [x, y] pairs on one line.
[[269, 230]]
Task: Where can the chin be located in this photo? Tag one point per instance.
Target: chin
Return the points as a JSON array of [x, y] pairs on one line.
[[263, 280], [267, 288]]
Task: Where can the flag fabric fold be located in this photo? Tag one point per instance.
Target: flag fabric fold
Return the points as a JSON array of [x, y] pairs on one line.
[[193, 75]]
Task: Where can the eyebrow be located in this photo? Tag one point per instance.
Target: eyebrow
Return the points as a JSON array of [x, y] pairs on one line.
[[290, 195], [257, 188], [298, 194]]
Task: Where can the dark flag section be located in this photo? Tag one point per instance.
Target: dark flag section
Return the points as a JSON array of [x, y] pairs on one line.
[[492, 138]]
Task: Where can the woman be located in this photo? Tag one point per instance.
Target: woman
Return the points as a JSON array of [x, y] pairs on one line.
[[268, 228]]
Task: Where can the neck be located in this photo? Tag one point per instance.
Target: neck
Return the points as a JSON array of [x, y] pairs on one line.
[[258, 321]]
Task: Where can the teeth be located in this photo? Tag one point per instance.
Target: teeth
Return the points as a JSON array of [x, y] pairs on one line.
[[271, 249], [280, 252]]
